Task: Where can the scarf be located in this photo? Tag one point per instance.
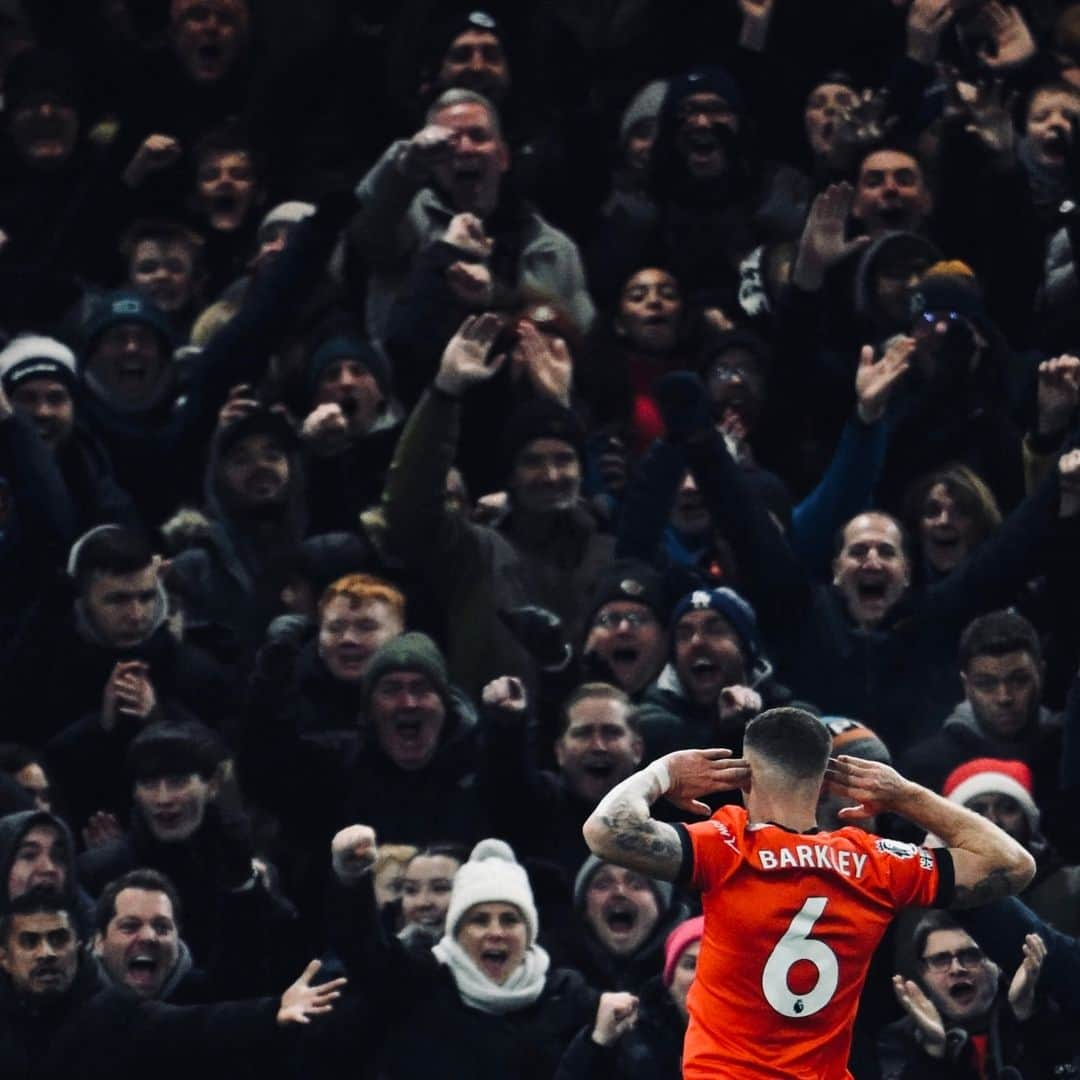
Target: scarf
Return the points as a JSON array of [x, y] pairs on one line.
[[478, 992]]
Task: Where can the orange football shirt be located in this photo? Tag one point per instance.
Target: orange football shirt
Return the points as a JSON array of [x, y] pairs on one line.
[[791, 922]]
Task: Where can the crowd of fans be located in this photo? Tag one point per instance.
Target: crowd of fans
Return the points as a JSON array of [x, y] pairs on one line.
[[414, 419]]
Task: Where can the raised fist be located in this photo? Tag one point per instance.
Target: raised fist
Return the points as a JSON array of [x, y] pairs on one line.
[[352, 852]]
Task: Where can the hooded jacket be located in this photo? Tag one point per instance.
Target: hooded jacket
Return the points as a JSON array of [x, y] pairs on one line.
[[13, 827], [963, 738], [222, 579], [57, 666]]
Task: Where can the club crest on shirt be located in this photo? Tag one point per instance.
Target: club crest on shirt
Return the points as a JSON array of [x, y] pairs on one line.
[[896, 849]]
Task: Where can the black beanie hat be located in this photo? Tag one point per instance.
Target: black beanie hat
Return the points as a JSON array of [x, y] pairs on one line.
[[630, 581], [541, 418], [258, 422], [339, 348], [125, 306]]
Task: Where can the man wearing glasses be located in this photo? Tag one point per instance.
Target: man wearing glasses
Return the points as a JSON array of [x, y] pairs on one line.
[[964, 1020]]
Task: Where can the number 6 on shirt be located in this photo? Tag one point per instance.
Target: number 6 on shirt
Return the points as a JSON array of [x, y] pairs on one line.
[[794, 946]]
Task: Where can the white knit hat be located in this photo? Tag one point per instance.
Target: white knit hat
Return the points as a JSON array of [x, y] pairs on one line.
[[30, 356], [492, 876], [288, 212]]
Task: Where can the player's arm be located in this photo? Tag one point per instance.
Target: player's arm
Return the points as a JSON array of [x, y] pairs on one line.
[[987, 862], [621, 829]]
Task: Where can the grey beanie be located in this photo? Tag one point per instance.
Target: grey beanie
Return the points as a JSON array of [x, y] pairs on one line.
[[644, 105], [664, 890]]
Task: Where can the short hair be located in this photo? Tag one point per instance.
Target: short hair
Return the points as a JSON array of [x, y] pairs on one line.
[[966, 488], [1051, 86], [162, 232], [893, 146], [457, 96], [796, 741], [229, 137], [930, 923], [603, 690], [37, 901], [362, 588], [109, 549], [998, 633], [144, 878], [905, 537]]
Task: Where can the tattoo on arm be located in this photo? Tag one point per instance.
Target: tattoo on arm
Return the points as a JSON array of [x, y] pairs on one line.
[[996, 884], [650, 846]]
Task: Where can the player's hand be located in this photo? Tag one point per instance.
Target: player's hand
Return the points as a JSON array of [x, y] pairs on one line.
[[924, 1014], [467, 360], [693, 773], [302, 1001], [872, 786], [352, 852], [1026, 980], [739, 701], [616, 1014]]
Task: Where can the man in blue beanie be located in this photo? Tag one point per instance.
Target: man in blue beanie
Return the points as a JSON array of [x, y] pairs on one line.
[[718, 676]]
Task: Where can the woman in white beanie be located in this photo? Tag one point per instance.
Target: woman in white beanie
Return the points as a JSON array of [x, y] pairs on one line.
[[484, 1002]]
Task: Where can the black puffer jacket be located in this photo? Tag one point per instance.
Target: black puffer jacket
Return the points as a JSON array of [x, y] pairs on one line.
[[94, 1033], [651, 1051]]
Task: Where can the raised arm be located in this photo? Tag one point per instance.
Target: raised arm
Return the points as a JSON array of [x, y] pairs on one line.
[[622, 831], [987, 862]]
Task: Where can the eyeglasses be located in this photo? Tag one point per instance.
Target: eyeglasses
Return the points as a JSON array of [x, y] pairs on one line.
[[942, 961], [728, 372], [610, 619]]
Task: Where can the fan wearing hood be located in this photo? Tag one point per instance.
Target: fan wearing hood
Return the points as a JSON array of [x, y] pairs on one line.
[[255, 506], [37, 853], [110, 609], [705, 188]]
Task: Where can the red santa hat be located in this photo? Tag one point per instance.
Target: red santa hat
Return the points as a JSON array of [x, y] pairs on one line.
[[983, 776]]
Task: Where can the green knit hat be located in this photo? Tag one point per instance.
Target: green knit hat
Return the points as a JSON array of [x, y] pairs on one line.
[[409, 652]]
